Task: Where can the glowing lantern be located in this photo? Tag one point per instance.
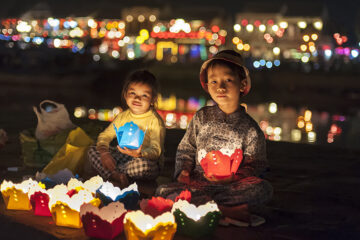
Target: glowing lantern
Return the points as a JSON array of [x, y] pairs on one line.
[[105, 223], [90, 185], [139, 226], [65, 209], [39, 200], [196, 221], [222, 163], [158, 205], [128, 196], [16, 195], [129, 135]]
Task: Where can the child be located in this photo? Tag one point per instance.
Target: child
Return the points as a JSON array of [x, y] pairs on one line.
[[223, 126], [120, 165]]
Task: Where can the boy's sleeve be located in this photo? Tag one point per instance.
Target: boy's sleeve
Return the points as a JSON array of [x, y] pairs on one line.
[[156, 133], [254, 161], [106, 136], [186, 151]]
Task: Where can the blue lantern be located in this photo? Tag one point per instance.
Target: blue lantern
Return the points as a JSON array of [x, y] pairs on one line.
[[129, 135]]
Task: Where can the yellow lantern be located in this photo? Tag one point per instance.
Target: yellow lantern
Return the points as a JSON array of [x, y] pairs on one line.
[[65, 210], [139, 226], [16, 195]]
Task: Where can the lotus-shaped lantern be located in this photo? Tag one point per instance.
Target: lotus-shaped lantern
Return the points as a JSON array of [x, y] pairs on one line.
[[16, 195], [196, 221], [39, 199], [158, 205], [65, 209], [139, 226], [129, 135], [104, 223], [221, 164], [90, 185], [129, 196]]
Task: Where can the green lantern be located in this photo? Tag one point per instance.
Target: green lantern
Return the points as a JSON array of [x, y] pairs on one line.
[[196, 222]]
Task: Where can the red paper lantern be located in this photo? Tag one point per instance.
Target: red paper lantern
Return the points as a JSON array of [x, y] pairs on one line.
[[40, 204], [221, 165]]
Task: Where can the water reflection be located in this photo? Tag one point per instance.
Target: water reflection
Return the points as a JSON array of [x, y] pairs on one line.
[[278, 123]]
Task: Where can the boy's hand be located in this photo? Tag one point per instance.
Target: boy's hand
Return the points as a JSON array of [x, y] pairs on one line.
[[107, 161], [184, 177], [131, 152], [221, 180]]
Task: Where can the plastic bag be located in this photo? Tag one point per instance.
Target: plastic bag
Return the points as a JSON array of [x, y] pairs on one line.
[[38, 153], [129, 135], [72, 154], [52, 118]]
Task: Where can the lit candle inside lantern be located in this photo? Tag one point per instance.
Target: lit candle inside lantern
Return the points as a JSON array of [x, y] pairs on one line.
[[109, 193], [65, 209], [139, 226], [222, 163], [16, 195], [196, 221], [105, 223]]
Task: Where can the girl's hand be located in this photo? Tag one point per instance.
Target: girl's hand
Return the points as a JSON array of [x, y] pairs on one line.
[[184, 177], [131, 152], [107, 161], [221, 180]]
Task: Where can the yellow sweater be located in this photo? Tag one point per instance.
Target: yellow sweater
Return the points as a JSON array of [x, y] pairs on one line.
[[153, 144]]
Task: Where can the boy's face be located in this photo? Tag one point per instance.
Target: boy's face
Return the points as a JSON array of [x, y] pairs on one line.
[[224, 85], [138, 98]]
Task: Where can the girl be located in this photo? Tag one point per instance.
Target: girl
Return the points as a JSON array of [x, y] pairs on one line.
[[121, 164], [223, 126]]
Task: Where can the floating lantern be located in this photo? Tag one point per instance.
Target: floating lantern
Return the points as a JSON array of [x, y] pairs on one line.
[[39, 199], [104, 223], [129, 135], [158, 205], [128, 196], [65, 209], [195, 221], [139, 226], [90, 185], [222, 163], [16, 195]]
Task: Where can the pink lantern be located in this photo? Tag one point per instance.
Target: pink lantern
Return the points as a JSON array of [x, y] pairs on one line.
[[104, 223], [221, 164]]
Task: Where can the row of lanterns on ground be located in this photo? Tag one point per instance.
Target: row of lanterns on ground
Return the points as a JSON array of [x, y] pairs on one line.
[[104, 211]]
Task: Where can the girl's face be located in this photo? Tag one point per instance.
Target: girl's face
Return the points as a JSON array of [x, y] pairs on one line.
[[139, 98], [224, 86]]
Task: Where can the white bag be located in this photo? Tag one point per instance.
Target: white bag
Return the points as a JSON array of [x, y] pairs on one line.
[[51, 120]]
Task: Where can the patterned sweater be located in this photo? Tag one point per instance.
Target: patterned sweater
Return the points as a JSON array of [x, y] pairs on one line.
[[211, 129]]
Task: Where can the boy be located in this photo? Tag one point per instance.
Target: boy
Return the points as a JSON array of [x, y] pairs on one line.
[[223, 126]]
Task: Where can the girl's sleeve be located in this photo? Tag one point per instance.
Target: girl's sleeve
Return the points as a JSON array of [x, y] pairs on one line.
[[186, 151], [106, 136], [254, 161], [156, 132]]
